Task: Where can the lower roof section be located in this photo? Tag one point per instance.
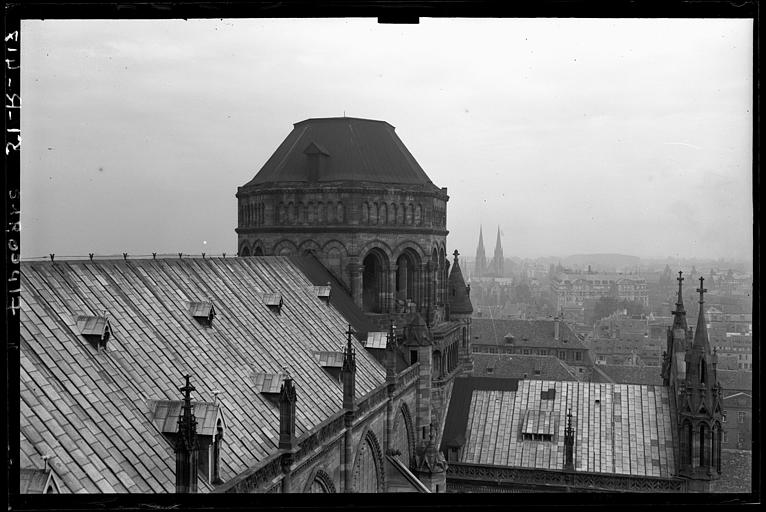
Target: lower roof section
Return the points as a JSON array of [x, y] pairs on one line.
[[619, 428]]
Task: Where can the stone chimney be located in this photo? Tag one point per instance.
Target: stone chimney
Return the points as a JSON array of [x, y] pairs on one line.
[[556, 329], [187, 445], [287, 402]]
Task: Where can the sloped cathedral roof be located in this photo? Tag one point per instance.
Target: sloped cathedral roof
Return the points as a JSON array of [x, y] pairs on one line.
[[351, 149], [95, 411]]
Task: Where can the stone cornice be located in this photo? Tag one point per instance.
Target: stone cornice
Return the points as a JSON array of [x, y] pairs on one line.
[[483, 474], [397, 230], [302, 189]]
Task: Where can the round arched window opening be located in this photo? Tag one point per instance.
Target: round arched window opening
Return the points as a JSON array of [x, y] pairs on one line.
[[373, 282]]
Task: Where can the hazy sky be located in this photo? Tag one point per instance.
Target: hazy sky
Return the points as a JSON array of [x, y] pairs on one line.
[[575, 136]]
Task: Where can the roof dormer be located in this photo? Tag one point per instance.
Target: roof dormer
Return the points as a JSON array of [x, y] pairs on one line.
[[96, 329], [274, 301], [267, 383], [211, 426], [323, 292], [203, 312], [376, 340], [316, 156], [330, 361]]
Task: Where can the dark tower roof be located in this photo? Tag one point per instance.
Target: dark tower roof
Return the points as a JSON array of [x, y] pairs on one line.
[[352, 149], [459, 301], [700, 334], [679, 315]]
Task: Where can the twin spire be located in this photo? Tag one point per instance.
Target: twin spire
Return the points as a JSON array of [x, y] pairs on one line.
[[679, 322], [495, 267]]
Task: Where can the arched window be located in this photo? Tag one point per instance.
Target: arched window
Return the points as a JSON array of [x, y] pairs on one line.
[[373, 213], [406, 276], [418, 215], [688, 446], [373, 281], [383, 213], [321, 483], [404, 435], [703, 371], [291, 213], [408, 220], [436, 360], [258, 251], [365, 213], [368, 466], [340, 217], [282, 215], [702, 446], [401, 215], [312, 213], [244, 252], [434, 276]]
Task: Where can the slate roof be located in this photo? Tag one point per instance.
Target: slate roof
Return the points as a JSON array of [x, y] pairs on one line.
[[318, 274], [516, 366], [90, 409], [625, 374], [538, 333], [355, 150], [460, 405], [459, 300], [629, 431]]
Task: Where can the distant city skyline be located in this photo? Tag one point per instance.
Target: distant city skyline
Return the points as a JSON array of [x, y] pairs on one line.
[[136, 133]]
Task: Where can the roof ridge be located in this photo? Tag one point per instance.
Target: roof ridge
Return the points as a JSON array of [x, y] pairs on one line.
[[343, 118]]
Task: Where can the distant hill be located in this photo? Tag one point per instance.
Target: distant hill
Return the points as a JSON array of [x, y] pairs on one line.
[[601, 261]]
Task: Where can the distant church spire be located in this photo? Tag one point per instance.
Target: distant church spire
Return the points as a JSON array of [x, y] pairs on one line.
[[480, 266], [497, 261]]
